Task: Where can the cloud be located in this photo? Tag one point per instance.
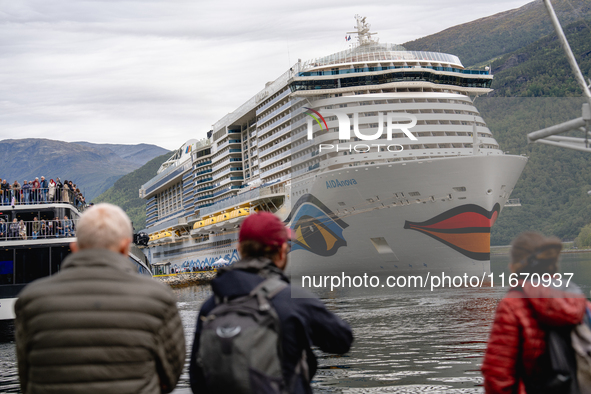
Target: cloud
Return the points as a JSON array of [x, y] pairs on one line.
[[163, 72]]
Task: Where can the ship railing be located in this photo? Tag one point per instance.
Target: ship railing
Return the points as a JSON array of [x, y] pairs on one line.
[[272, 102], [274, 147], [274, 112], [172, 168], [385, 68], [274, 124], [380, 52], [275, 135], [241, 198], [16, 230], [513, 202], [19, 197]]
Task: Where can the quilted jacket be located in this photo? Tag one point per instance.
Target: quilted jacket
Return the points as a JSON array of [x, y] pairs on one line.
[[98, 327], [518, 339]]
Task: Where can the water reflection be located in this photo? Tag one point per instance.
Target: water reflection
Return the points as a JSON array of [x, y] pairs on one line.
[[406, 344], [405, 341], [8, 370]]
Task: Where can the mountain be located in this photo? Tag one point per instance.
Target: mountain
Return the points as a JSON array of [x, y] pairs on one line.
[[93, 167], [139, 154], [125, 191], [485, 39]]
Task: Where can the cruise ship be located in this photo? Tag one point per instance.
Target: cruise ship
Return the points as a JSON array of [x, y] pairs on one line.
[[375, 157]]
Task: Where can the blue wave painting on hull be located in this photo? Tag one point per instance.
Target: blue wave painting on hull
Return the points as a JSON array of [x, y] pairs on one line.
[[207, 262]]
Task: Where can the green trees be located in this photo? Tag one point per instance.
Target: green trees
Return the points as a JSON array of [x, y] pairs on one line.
[[125, 192], [583, 241]]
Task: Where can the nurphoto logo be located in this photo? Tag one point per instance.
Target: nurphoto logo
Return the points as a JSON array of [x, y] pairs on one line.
[[394, 121]]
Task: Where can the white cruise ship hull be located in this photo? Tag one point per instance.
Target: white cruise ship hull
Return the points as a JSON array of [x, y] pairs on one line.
[[373, 221], [387, 235]]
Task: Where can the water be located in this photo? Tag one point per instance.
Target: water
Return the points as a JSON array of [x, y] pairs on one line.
[[405, 342]]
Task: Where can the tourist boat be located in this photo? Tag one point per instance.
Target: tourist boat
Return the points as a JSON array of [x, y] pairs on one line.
[[29, 255], [375, 157]]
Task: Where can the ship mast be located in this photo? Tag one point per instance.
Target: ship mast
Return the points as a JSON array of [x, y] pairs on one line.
[[362, 31]]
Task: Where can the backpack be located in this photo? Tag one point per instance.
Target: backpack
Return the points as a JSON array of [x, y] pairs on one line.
[[566, 365], [240, 344], [581, 343]]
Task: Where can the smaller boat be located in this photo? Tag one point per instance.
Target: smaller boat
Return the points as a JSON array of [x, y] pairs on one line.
[[35, 238]]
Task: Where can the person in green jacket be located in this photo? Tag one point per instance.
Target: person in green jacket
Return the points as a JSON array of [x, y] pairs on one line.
[[98, 326], [36, 226]]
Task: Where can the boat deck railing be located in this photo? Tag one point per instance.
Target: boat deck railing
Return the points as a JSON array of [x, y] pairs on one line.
[[241, 198], [37, 229], [20, 197]]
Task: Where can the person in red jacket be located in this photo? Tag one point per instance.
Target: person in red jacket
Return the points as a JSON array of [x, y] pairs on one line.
[[517, 341]]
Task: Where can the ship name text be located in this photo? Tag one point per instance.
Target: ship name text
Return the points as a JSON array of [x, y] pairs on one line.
[[336, 183]]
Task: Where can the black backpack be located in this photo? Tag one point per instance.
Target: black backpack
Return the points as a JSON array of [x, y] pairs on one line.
[[560, 363], [240, 344]]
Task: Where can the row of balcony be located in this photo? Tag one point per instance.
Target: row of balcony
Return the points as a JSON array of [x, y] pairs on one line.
[[275, 135], [273, 102], [202, 164], [274, 124], [204, 180], [274, 147], [273, 113], [269, 160]]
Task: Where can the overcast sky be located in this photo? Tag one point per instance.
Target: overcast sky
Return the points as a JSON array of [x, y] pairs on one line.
[[162, 72]]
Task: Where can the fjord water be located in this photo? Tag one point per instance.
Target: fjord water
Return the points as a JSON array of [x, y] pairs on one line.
[[405, 342]]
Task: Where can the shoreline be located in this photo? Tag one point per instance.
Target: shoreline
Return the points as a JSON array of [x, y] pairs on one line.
[[184, 279], [505, 249]]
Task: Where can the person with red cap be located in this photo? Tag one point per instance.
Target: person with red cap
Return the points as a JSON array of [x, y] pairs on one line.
[[304, 320]]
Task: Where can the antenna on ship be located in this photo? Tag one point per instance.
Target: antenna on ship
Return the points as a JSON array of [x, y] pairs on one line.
[[362, 31]]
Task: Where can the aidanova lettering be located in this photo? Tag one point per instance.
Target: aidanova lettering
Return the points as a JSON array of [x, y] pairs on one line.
[[337, 183]]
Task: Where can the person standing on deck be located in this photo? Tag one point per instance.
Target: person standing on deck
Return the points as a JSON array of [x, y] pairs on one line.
[[5, 186], [98, 326], [16, 192], [43, 185], [51, 191], [59, 188], [35, 227], [3, 229], [14, 229], [35, 190], [26, 192]]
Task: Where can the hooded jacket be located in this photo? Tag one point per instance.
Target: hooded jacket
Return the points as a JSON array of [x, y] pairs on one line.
[[518, 339], [98, 327], [304, 319]]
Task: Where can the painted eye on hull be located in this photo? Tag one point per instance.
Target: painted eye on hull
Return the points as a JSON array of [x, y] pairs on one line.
[[465, 229], [315, 228]]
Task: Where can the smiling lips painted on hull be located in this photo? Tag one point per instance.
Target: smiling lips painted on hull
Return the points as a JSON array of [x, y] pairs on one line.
[[465, 229]]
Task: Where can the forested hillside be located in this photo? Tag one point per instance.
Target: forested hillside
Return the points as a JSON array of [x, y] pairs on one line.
[[125, 192], [488, 38], [553, 187]]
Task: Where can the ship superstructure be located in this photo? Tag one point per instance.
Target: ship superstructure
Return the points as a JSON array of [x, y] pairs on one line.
[[371, 193]]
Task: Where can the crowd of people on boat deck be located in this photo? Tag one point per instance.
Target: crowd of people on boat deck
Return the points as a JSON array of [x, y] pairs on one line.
[[37, 229], [40, 192]]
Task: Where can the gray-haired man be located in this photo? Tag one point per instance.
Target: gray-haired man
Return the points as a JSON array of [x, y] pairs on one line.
[[98, 326]]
